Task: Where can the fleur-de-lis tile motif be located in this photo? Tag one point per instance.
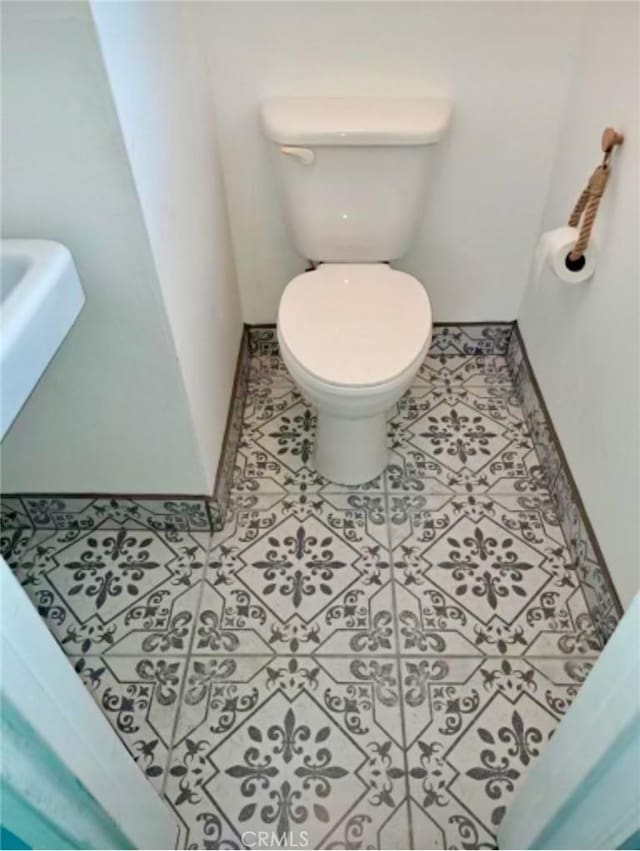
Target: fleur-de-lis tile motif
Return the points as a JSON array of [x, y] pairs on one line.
[[116, 565], [295, 435], [485, 575], [379, 666], [458, 435], [299, 567], [109, 565], [487, 566], [461, 440], [115, 591], [204, 675], [418, 675], [288, 772], [293, 561], [212, 635], [499, 772], [485, 726]]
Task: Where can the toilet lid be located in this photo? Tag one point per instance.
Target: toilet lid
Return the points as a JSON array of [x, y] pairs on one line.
[[355, 324]]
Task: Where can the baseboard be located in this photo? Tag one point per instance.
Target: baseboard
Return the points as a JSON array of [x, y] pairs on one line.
[[449, 338], [587, 558], [224, 475], [85, 511]]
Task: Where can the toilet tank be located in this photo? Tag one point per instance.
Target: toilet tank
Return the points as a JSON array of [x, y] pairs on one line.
[[352, 171]]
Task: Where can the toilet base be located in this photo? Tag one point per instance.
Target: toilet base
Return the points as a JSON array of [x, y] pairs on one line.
[[351, 451]]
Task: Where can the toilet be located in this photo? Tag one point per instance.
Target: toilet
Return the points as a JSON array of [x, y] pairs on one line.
[[353, 331]]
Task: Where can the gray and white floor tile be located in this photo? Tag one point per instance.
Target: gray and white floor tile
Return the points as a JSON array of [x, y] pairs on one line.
[[465, 440], [275, 454], [484, 574], [140, 697], [451, 372], [109, 591], [473, 727], [289, 745], [304, 574], [376, 667]]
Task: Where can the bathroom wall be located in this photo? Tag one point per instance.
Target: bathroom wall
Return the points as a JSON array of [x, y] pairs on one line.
[[163, 98], [115, 411], [506, 67], [583, 340]]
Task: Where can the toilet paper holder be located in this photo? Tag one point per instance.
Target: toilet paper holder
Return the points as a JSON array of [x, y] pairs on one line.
[[589, 201]]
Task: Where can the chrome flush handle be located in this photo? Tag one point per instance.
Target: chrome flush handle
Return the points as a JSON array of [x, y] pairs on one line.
[[305, 155]]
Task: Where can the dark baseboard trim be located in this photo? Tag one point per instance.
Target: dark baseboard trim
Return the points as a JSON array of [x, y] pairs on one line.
[[503, 322], [224, 474], [586, 553], [498, 324]]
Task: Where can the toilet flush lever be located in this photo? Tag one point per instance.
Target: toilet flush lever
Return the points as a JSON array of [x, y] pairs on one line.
[[305, 155]]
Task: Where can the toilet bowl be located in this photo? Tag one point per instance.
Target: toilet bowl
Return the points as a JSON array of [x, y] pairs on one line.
[[353, 332], [353, 336]]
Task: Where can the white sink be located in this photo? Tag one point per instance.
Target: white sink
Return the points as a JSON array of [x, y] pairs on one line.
[[41, 298]]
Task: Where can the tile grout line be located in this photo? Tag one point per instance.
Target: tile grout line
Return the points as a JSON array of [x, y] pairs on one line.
[[398, 665], [369, 655], [187, 659]]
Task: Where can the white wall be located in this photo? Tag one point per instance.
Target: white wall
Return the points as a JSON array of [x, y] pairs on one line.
[[506, 67], [110, 412], [583, 341], [163, 98]]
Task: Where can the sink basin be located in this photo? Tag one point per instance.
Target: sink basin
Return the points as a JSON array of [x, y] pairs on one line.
[[41, 296]]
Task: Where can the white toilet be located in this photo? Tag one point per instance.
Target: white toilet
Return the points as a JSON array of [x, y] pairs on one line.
[[353, 331]]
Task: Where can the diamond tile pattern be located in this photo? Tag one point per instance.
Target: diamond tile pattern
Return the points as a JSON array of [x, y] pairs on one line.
[[367, 667]]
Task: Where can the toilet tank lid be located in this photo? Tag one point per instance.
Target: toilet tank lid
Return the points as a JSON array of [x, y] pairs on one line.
[[355, 121]]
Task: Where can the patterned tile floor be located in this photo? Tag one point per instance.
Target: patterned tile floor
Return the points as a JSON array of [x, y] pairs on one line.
[[377, 666]]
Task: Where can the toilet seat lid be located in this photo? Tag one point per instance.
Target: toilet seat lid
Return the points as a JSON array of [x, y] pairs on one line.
[[355, 324]]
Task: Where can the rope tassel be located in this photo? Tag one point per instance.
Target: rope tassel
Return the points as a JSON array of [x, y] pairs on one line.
[[586, 208]]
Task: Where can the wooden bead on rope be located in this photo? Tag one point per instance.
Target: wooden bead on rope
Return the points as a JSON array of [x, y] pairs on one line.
[[611, 138]]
